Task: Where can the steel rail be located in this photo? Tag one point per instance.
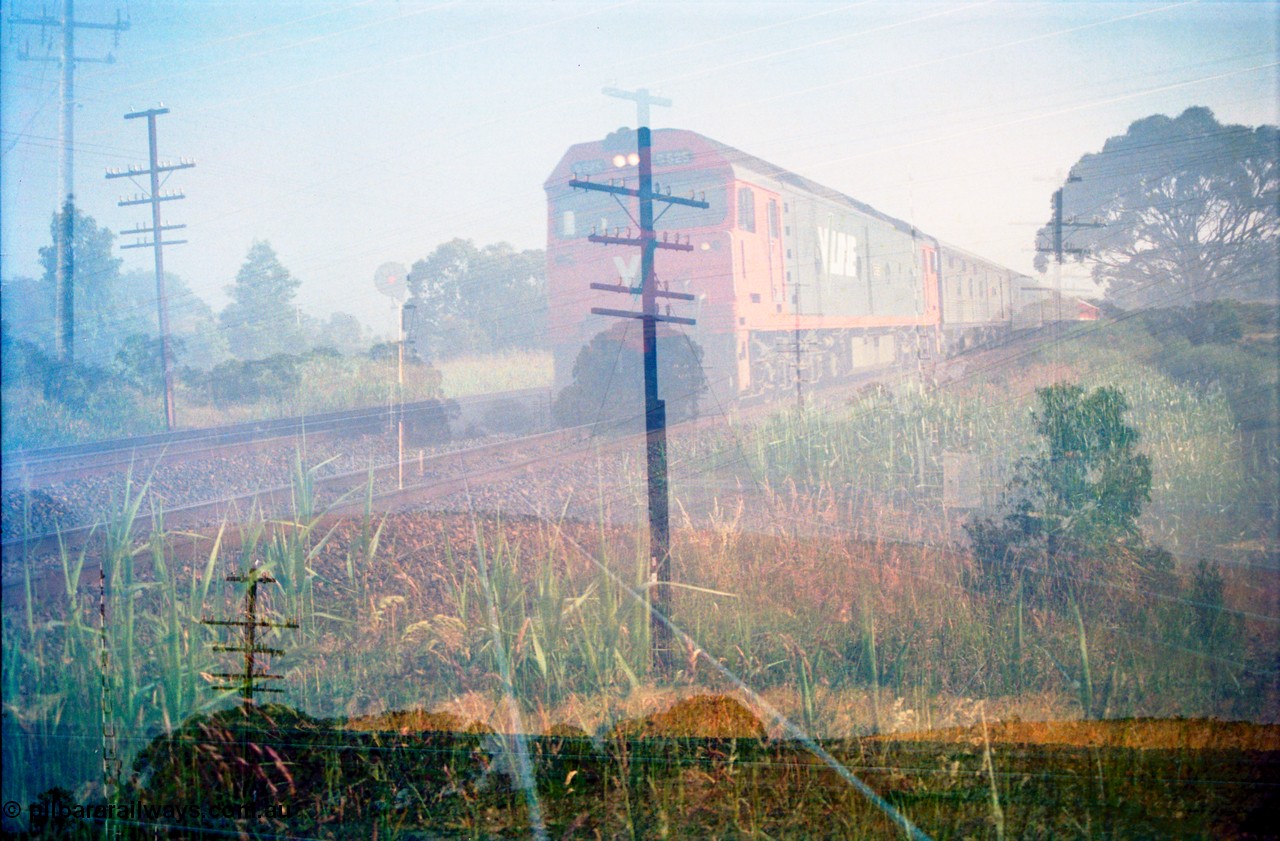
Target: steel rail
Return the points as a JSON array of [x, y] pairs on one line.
[[29, 469], [270, 499]]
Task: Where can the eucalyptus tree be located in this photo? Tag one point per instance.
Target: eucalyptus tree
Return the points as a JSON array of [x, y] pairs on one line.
[[1187, 210]]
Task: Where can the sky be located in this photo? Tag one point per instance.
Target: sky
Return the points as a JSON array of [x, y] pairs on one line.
[[349, 134]]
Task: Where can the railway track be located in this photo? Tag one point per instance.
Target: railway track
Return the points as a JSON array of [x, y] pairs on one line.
[[32, 469], [427, 478], [337, 495], [475, 470]]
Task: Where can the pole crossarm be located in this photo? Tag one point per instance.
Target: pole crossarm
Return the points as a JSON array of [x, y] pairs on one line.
[[636, 290], [134, 171], [638, 194], [642, 96], [153, 244], [244, 623], [151, 199], [642, 316], [77, 60], [608, 240], [147, 112], [229, 675], [139, 231], [257, 649], [118, 26]]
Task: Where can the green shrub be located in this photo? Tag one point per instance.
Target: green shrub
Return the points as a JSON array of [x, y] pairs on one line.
[[1246, 379], [608, 380], [252, 380], [1075, 505], [1212, 322]]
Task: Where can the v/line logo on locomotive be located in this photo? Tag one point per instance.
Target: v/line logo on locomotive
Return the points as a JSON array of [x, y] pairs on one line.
[[628, 270], [839, 252], [773, 255]]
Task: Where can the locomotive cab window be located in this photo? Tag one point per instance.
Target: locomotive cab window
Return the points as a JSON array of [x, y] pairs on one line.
[[747, 209]]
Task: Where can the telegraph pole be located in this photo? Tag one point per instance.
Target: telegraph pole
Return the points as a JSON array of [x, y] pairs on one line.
[[64, 245], [405, 309], [655, 412], [1058, 249], [248, 679], [154, 170]]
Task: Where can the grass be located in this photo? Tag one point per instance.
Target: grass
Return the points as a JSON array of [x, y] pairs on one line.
[[889, 449], [30, 419], [828, 585], [463, 376], [409, 613], [652, 778], [325, 384]]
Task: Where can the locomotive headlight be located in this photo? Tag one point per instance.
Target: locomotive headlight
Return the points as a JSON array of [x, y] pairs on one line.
[[619, 160], [633, 159], [706, 246]]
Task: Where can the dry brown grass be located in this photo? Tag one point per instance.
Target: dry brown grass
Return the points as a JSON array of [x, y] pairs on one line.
[[409, 721], [1141, 733]]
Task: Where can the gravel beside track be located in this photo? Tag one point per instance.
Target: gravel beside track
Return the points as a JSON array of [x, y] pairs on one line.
[[89, 500], [552, 480]]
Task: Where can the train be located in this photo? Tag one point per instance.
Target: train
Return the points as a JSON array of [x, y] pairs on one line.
[[777, 262]]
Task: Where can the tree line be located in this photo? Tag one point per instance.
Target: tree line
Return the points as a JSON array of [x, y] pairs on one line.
[[260, 348], [464, 299]]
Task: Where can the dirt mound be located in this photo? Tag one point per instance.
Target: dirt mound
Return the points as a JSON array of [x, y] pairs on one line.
[[567, 731], [257, 718], [413, 721], [699, 717]]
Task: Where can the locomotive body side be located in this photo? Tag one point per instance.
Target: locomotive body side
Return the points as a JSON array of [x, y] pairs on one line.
[[865, 291], [855, 288], [777, 261], [978, 298]]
